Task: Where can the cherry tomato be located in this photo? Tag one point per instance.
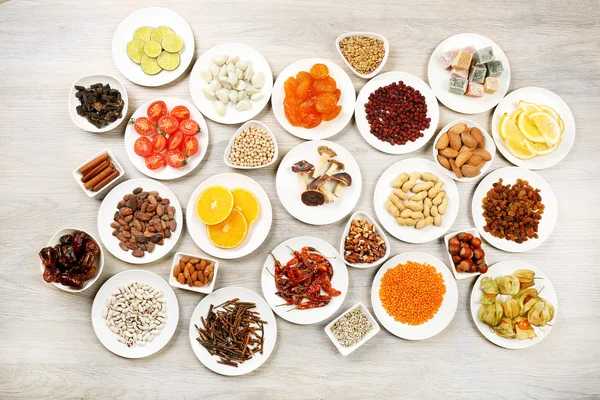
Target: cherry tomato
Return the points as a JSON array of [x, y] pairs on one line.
[[180, 113], [189, 127], [155, 161], [190, 146], [524, 325], [156, 110], [167, 124], [142, 146], [159, 143], [144, 126], [176, 158], [175, 140]]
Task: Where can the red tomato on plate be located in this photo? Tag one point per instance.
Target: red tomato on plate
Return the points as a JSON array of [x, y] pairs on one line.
[[189, 127], [156, 110], [159, 143], [144, 126], [175, 140], [142, 146], [176, 158], [155, 161], [180, 113], [167, 124], [190, 146]]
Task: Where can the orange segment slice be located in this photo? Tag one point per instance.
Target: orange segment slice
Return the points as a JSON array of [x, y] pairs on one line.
[[245, 202], [230, 233], [214, 205]]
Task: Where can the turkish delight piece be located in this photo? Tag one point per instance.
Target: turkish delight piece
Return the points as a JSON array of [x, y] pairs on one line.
[[484, 55], [477, 74], [469, 49], [460, 73], [462, 60], [457, 85], [494, 68], [448, 57], [491, 85], [474, 90]]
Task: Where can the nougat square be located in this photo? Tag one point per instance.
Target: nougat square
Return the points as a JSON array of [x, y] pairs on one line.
[[494, 68], [474, 90], [491, 85], [484, 55], [447, 58], [477, 74], [460, 73], [469, 49], [457, 85], [462, 60]]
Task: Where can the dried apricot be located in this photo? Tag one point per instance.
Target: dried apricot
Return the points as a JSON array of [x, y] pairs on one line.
[[304, 76], [331, 115], [337, 93], [319, 71], [326, 84], [309, 105], [311, 120], [326, 103], [290, 85], [302, 89]]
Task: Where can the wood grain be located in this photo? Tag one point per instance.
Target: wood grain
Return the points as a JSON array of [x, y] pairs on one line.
[[47, 345]]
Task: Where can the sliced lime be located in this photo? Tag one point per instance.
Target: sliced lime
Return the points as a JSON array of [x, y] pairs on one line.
[[168, 61], [143, 33], [135, 50], [152, 48], [150, 65], [161, 32], [172, 43]]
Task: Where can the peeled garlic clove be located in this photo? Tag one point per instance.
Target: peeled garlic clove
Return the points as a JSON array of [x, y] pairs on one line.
[[214, 70], [206, 75], [223, 95], [241, 95], [233, 59], [233, 96], [248, 73], [208, 93], [214, 85], [231, 68], [240, 85], [241, 65], [233, 79], [239, 73], [243, 105], [219, 107], [258, 80], [251, 90], [223, 71], [219, 59], [257, 96], [223, 80]]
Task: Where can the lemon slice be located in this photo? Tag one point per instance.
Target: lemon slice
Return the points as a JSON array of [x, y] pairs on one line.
[[547, 125], [161, 32], [528, 129], [508, 128], [135, 50], [152, 48], [518, 148], [516, 114], [550, 111], [143, 33], [172, 43], [168, 61], [541, 149], [150, 65], [529, 107]]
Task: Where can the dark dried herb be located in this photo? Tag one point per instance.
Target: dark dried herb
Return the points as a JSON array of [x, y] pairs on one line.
[[100, 104]]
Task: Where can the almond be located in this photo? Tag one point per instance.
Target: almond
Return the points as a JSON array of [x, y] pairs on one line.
[[475, 160], [442, 142], [469, 171], [462, 158], [468, 140], [444, 162], [466, 148], [181, 279], [483, 153], [477, 135], [176, 270], [198, 284], [455, 142], [186, 272], [449, 152], [455, 169], [458, 128]]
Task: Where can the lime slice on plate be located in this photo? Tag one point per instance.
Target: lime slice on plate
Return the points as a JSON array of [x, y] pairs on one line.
[[168, 61], [161, 32], [172, 43], [150, 65], [152, 48], [135, 50], [143, 33]]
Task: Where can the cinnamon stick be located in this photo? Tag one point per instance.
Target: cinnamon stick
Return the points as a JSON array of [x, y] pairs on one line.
[[88, 167], [106, 181], [95, 171], [98, 178]]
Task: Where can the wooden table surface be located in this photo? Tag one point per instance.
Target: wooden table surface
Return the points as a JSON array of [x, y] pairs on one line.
[[48, 348]]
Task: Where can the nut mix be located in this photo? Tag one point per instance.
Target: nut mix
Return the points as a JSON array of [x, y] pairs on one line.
[[351, 328], [467, 254], [363, 53], [462, 150], [363, 244], [143, 220], [196, 272], [252, 148]]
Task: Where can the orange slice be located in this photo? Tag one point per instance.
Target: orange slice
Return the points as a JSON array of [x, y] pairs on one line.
[[214, 205], [245, 202], [229, 233]]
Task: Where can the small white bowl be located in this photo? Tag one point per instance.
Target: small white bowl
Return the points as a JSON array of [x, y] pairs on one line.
[[78, 175], [489, 146], [347, 350], [380, 232], [204, 289], [99, 260], [463, 275], [238, 133], [86, 81], [386, 47]]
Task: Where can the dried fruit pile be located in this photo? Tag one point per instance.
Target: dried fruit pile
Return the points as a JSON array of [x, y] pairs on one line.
[[100, 104]]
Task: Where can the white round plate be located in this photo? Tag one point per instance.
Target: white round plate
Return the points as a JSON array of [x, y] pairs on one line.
[[339, 281], [510, 175], [439, 321], [385, 79], [232, 116], [167, 172], [439, 77], [87, 81], [409, 233], [154, 17], [109, 339], [219, 297], [109, 207], [257, 232], [543, 97], [507, 268], [288, 184], [327, 128]]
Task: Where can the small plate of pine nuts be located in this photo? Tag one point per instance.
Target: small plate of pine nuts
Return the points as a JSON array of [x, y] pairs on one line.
[[253, 146], [361, 51]]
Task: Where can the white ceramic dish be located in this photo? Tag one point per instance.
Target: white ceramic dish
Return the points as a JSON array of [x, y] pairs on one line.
[[107, 211], [99, 260], [374, 331], [489, 146], [462, 275], [232, 116], [510, 175], [257, 232], [409, 233], [439, 321], [110, 287], [204, 289], [386, 47], [167, 172], [327, 128], [539, 96], [541, 282], [242, 128], [439, 77], [78, 175], [289, 190], [283, 254], [379, 231], [87, 81], [218, 297], [151, 16], [360, 115]]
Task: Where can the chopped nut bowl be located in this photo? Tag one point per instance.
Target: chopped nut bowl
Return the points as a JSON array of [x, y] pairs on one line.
[[364, 244]]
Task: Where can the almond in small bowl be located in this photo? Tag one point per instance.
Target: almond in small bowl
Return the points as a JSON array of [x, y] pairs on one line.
[[192, 272]]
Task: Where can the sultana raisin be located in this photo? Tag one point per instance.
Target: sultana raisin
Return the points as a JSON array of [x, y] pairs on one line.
[[326, 103], [319, 71]]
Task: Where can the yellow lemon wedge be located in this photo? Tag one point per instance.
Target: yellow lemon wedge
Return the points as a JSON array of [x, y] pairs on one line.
[[516, 114], [245, 202], [541, 149], [550, 111], [508, 128], [229, 233], [528, 129], [214, 205], [547, 125], [515, 142], [529, 108]]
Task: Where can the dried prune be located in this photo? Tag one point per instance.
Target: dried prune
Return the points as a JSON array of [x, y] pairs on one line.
[[48, 256], [87, 261], [60, 258]]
